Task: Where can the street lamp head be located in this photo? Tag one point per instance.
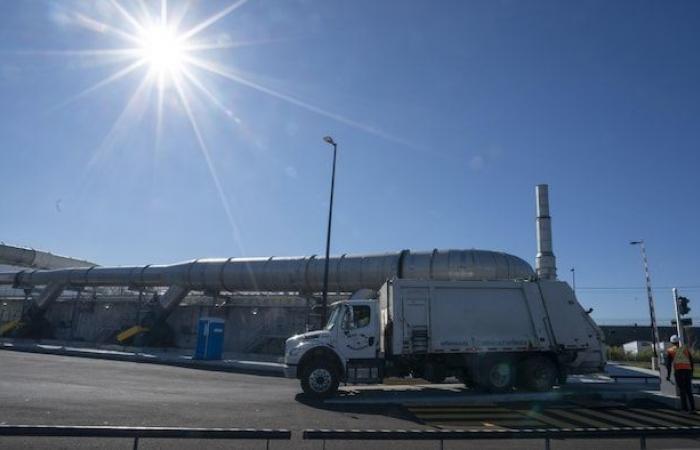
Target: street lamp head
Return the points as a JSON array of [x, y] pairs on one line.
[[636, 242], [329, 140]]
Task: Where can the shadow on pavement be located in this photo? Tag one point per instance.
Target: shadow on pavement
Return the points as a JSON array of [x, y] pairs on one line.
[[395, 411]]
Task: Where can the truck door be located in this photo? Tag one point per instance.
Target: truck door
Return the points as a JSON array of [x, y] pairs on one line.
[[416, 319], [358, 341]]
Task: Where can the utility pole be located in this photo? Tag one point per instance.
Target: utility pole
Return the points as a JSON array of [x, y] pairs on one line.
[[573, 279], [652, 313]]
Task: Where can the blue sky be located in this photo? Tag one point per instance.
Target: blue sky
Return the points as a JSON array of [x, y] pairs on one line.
[[446, 113]]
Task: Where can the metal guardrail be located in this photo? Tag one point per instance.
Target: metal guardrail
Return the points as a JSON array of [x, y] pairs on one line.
[[547, 434], [137, 433], [324, 435]]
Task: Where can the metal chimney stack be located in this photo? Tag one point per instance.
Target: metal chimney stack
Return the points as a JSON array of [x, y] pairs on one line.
[[545, 264]]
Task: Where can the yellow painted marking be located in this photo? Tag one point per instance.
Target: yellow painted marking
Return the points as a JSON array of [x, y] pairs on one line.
[[611, 418], [682, 414], [9, 326], [654, 420], [548, 420], [457, 416], [579, 418], [460, 411], [674, 417], [461, 426], [133, 331], [494, 424], [518, 423], [465, 423], [456, 408]]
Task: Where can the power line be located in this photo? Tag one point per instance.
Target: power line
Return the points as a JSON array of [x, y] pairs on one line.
[[639, 288]]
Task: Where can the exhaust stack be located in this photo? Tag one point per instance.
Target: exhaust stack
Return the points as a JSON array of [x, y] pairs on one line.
[[546, 263]]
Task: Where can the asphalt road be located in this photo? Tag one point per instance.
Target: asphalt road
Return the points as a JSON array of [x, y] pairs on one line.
[[59, 390]]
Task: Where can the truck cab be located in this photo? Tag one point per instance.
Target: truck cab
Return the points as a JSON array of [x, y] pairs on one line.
[[346, 349]]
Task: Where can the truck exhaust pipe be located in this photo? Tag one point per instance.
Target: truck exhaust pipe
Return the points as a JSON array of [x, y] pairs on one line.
[[546, 263]]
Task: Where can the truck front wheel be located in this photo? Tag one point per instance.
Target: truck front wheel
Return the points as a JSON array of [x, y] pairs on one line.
[[319, 379]]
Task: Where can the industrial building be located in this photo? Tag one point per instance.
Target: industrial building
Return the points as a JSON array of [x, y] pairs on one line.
[[262, 300]]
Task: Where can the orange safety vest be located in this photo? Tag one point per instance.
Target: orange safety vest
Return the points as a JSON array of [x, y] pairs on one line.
[[681, 360]]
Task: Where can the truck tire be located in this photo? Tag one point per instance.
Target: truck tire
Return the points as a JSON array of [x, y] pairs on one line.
[[498, 375], [539, 374], [319, 379]]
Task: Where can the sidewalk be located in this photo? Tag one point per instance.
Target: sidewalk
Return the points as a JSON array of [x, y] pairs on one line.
[[256, 364]]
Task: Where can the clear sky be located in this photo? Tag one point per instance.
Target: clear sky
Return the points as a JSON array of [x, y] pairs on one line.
[[447, 113]]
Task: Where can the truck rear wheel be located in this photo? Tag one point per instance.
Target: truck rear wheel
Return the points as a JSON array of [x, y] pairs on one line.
[[319, 379], [539, 374], [498, 375]]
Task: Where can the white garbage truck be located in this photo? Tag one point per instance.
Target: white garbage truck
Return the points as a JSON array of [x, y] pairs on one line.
[[493, 335]]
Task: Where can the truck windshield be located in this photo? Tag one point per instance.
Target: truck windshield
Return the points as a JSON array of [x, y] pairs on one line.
[[332, 317]]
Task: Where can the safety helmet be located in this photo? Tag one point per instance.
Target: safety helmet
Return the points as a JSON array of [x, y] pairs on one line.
[[674, 339]]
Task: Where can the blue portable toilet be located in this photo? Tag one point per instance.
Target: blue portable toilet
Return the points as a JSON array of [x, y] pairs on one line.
[[210, 338]]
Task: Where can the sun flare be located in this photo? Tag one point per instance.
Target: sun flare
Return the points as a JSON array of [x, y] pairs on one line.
[[177, 58], [163, 50]]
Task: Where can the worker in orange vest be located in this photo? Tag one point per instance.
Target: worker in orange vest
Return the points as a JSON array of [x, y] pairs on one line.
[[680, 359]]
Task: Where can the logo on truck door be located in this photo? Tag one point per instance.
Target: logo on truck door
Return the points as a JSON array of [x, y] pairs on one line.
[[357, 341], [357, 318]]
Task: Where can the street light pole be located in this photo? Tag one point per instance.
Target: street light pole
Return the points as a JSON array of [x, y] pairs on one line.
[[573, 279], [324, 306], [652, 313]]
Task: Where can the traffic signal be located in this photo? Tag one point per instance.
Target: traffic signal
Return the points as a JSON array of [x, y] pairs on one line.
[[683, 307]]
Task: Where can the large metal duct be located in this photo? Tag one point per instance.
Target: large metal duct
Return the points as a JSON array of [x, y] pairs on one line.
[[545, 262], [28, 257], [347, 273]]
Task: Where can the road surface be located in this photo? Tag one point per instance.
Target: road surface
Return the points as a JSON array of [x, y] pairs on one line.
[[60, 390]]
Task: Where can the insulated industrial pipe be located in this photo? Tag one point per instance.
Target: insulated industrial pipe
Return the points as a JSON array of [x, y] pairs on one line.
[[347, 273], [28, 257]]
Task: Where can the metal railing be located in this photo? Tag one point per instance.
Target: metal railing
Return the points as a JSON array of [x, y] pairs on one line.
[[546, 434], [440, 436], [137, 433]]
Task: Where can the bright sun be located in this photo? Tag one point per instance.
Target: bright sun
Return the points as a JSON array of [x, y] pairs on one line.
[[163, 50], [175, 56]]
